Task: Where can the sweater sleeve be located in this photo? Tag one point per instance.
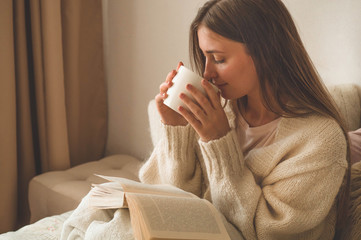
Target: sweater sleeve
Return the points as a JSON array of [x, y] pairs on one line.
[[282, 191], [174, 160]]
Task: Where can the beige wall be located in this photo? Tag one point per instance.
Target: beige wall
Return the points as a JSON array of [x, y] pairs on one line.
[[332, 35], [145, 39]]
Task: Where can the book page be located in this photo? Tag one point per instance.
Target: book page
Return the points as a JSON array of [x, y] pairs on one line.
[[137, 187], [172, 217], [107, 195]]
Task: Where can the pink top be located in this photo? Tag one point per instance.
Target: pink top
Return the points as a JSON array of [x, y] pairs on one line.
[[255, 137]]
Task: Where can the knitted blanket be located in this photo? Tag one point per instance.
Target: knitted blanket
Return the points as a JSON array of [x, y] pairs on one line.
[[48, 228], [90, 223]]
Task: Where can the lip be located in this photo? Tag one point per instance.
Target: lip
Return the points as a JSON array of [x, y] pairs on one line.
[[220, 84]]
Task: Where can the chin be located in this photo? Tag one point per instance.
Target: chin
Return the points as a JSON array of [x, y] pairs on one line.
[[227, 96], [223, 95]]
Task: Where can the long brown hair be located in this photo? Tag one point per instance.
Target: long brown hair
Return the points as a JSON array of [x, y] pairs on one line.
[[283, 66]]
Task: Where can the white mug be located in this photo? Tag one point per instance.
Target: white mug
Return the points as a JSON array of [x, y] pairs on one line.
[[184, 76]]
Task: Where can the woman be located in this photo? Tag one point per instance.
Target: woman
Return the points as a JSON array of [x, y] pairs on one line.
[[274, 161]]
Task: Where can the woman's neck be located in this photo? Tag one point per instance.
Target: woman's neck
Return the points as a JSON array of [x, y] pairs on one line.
[[255, 113]]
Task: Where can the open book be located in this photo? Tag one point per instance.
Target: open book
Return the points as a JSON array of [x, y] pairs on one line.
[[160, 211]]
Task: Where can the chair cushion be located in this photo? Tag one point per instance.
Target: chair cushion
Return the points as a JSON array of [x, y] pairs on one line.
[[355, 145], [348, 100], [59, 191]]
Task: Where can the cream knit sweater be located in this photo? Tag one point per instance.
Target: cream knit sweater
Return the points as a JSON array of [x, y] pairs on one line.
[[286, 190]]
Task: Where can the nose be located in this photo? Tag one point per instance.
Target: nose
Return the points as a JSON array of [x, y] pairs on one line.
[[209, 71]]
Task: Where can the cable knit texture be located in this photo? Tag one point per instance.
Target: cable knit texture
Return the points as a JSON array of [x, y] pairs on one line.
[[286, 190]]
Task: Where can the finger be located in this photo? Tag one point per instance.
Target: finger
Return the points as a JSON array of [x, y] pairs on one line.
[[191, 119], [195, 109], [159, 98], [170, 76], [202, 100], [179, 65], [163, 88], [212, 94]]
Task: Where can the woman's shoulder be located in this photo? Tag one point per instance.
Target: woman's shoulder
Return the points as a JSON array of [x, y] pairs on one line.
[[317, 129], [314, 135], [311, 123]]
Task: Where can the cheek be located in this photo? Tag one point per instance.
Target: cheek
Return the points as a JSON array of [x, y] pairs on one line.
[[246, 72], [227, 73], [234, 75]]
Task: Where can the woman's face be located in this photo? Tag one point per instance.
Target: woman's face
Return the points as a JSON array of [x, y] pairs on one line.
[[228, 65]]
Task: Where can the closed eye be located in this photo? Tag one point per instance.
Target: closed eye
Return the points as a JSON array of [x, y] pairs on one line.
[[218, 58], [215, 55], [218, 61]]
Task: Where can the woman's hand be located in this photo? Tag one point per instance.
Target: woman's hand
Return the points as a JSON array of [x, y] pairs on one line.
[[168, 115], [206, 116]]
